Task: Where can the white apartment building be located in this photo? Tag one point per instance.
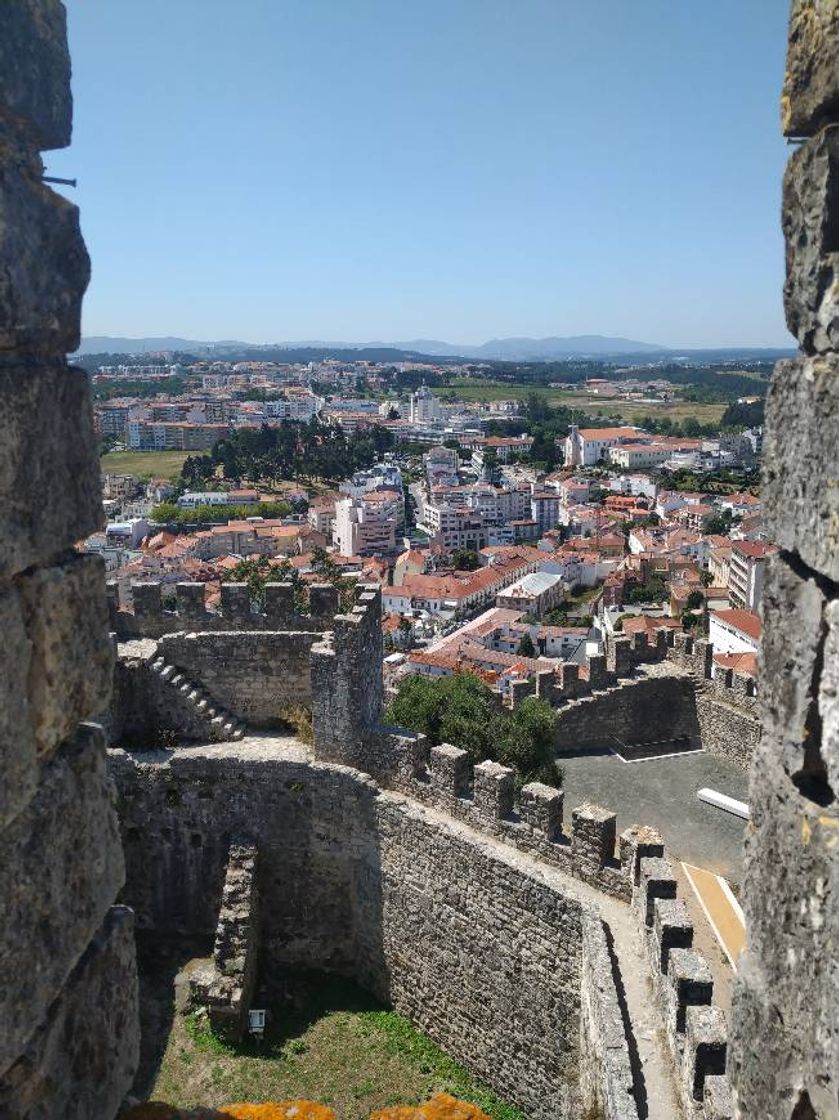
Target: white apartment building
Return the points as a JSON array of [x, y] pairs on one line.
[[425, 408], [301, 405], [455, 526], [635, 456], [586, 446], [364, 527], [746, 573], [734, 631]]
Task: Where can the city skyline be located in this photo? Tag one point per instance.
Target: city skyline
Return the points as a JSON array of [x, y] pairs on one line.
[[362, 172]]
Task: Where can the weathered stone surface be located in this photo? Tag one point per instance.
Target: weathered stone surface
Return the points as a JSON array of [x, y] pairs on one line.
[[81, 1062], [829, 697], [811, 86], [801, 469], [475, 945], [35, 71], [50, 492], [46, 268], [60, 869], [17, 741], [606, 1080], [227, 986], [792, 636], [72, 657], [811, 228]]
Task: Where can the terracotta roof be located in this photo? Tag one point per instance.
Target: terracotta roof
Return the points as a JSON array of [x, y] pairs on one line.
[[745, 663], [755, 549], [747, 622], [608, 433]]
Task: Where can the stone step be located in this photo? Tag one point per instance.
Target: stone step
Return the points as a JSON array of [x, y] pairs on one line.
[[167, 672]]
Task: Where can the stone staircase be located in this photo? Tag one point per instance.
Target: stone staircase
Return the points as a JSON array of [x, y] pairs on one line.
[[221, 725]]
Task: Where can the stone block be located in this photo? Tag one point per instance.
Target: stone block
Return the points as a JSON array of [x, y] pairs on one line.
[[811, 84], [636, 843], [811, 230], [147, 600], [323, 599], [279, 600], [690, 984], [593, 831], [494, 789], [49, 485], [60, 869], [656, 880], [717, 1101], [236, 603], [672, 928], [450, 769], [71, 670], [706, 1044], [81, 1061], [794, 612], [800, 489], [598, 676], [190, 600], [46, 268], [541, 808], [17, 738], [35, 72]]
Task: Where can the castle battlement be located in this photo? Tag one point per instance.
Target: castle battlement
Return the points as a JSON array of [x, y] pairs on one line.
[[156, 609]]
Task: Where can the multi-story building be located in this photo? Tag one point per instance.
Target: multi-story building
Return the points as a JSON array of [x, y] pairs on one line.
[[746, 572], [425, 408], [545, 509], [734, 631], [535, 593], [586, 446], [635, 456], [144, 435], [366, 525]]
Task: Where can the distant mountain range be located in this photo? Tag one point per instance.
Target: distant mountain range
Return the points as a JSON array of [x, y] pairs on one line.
[[497, 349]]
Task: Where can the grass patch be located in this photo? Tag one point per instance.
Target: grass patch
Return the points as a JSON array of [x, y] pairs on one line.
[[145, 464], [331, 1042]]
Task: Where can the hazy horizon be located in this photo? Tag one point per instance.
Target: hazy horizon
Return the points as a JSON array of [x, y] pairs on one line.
[[370, 171]]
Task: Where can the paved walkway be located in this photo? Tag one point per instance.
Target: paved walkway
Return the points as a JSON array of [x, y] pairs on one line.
[[662, 792], [721, 909]]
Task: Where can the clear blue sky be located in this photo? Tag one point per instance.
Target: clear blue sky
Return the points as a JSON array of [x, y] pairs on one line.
[[457, 169]]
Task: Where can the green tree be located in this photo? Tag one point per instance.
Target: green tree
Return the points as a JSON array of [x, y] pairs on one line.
[[461, 710], [466, 560], [695, 600], [526, 647], [717, 524], [527, 743]]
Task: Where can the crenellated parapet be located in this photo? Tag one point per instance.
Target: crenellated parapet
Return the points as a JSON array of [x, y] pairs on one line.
[[682, 984], [530, 819], [156, 609]]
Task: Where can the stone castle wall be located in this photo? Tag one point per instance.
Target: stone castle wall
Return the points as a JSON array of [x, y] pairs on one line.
[[254, 675], [68, 988], [480, 952], [786, 1046], [643, 711], [150, 615]]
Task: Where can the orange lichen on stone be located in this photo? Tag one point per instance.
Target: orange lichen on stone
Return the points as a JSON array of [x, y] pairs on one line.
[[159, 1110], [440, 1107], [279, 1110]]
